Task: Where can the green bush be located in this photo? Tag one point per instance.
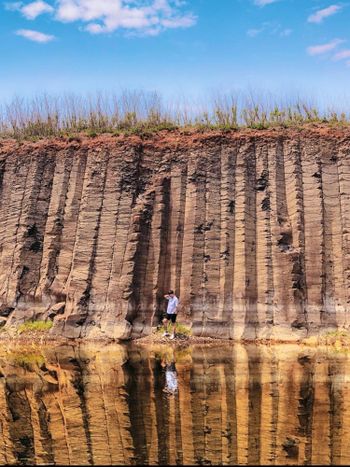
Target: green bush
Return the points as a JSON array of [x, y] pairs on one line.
[[28, 361], [181, 329], [35, 326]]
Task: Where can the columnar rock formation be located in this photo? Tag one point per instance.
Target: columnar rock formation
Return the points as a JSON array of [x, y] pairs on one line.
[[251, 229], [233, 406]]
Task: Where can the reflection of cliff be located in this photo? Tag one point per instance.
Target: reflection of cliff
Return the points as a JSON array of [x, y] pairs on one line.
[[250, 229], [72, 410], [241, 405]]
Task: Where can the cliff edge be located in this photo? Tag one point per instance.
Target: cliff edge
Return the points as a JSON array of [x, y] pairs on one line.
[[250, 228]]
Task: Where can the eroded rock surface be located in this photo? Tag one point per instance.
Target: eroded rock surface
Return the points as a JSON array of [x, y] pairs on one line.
[[250, 228]]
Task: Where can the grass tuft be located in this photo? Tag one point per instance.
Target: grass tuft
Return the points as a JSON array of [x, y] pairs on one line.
[[181, 330], [28, 361], [141, 113], [337, 340], [35, 326]]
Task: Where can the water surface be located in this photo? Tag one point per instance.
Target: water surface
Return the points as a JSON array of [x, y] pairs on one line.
[[203, 405]]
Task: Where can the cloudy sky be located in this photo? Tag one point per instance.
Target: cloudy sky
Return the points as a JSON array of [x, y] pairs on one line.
[[178, 47]]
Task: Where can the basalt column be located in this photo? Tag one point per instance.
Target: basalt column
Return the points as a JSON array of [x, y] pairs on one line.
[[251, 230]]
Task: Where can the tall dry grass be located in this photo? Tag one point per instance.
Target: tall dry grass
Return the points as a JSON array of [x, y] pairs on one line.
[[140, 112]]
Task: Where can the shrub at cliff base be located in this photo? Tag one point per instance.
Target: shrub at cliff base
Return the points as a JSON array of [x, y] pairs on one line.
[[338, 340], [35, 326], [181, 331]]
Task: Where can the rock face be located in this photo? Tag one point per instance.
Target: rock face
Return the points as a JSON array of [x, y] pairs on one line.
[[251, 229]]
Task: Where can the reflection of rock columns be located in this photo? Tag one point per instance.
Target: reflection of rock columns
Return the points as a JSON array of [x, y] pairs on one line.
[[241, 389], [172, 458], [231, 408], [235, 405], [199, 408], [305, 408], [145, 409], [213, 418], [269, 397], [107, 409], [255, 396], [151, 422], [287, 438], [58, 428], [36, 418], [336, 410], [320, 416], [342, 385], [6, 446], [225, 453], [186, 422], [73, 420]]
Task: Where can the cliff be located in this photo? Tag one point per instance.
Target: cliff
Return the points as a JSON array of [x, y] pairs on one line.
[[250, 228]]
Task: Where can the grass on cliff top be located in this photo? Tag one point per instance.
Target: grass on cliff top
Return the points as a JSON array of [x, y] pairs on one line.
[[141, 113], [35, 326]]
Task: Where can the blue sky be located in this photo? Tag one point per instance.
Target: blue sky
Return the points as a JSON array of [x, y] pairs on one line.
[[177, 47]]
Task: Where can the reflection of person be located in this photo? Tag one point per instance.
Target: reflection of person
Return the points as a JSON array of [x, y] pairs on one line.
[[168, 364], [170, 378], [171, 313]]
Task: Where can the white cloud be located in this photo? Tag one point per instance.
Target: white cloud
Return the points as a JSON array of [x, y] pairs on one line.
[[30, 10], [34, 9], [35, 36], [320, 15], [273, 29], [94, 28], [342, 54], [324, 48], [104, 16], [146, 17], [264, 2], [179, 22]]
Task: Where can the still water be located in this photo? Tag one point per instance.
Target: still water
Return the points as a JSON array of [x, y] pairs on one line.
[[113, 404]]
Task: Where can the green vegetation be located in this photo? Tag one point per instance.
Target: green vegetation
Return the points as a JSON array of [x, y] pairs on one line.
[[168, 354], [28, 361], [145, 113], [181, 330], [35, 326], [337, 340]]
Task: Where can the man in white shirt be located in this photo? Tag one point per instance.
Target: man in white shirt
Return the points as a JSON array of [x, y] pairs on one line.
[[171, 313]]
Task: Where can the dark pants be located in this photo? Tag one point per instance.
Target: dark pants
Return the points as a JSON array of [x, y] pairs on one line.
[[171, 317]]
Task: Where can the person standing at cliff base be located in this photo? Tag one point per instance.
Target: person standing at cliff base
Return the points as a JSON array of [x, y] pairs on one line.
[[171, 313]]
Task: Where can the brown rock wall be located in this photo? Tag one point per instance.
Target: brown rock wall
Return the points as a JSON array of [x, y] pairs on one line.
[[252, 230]]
